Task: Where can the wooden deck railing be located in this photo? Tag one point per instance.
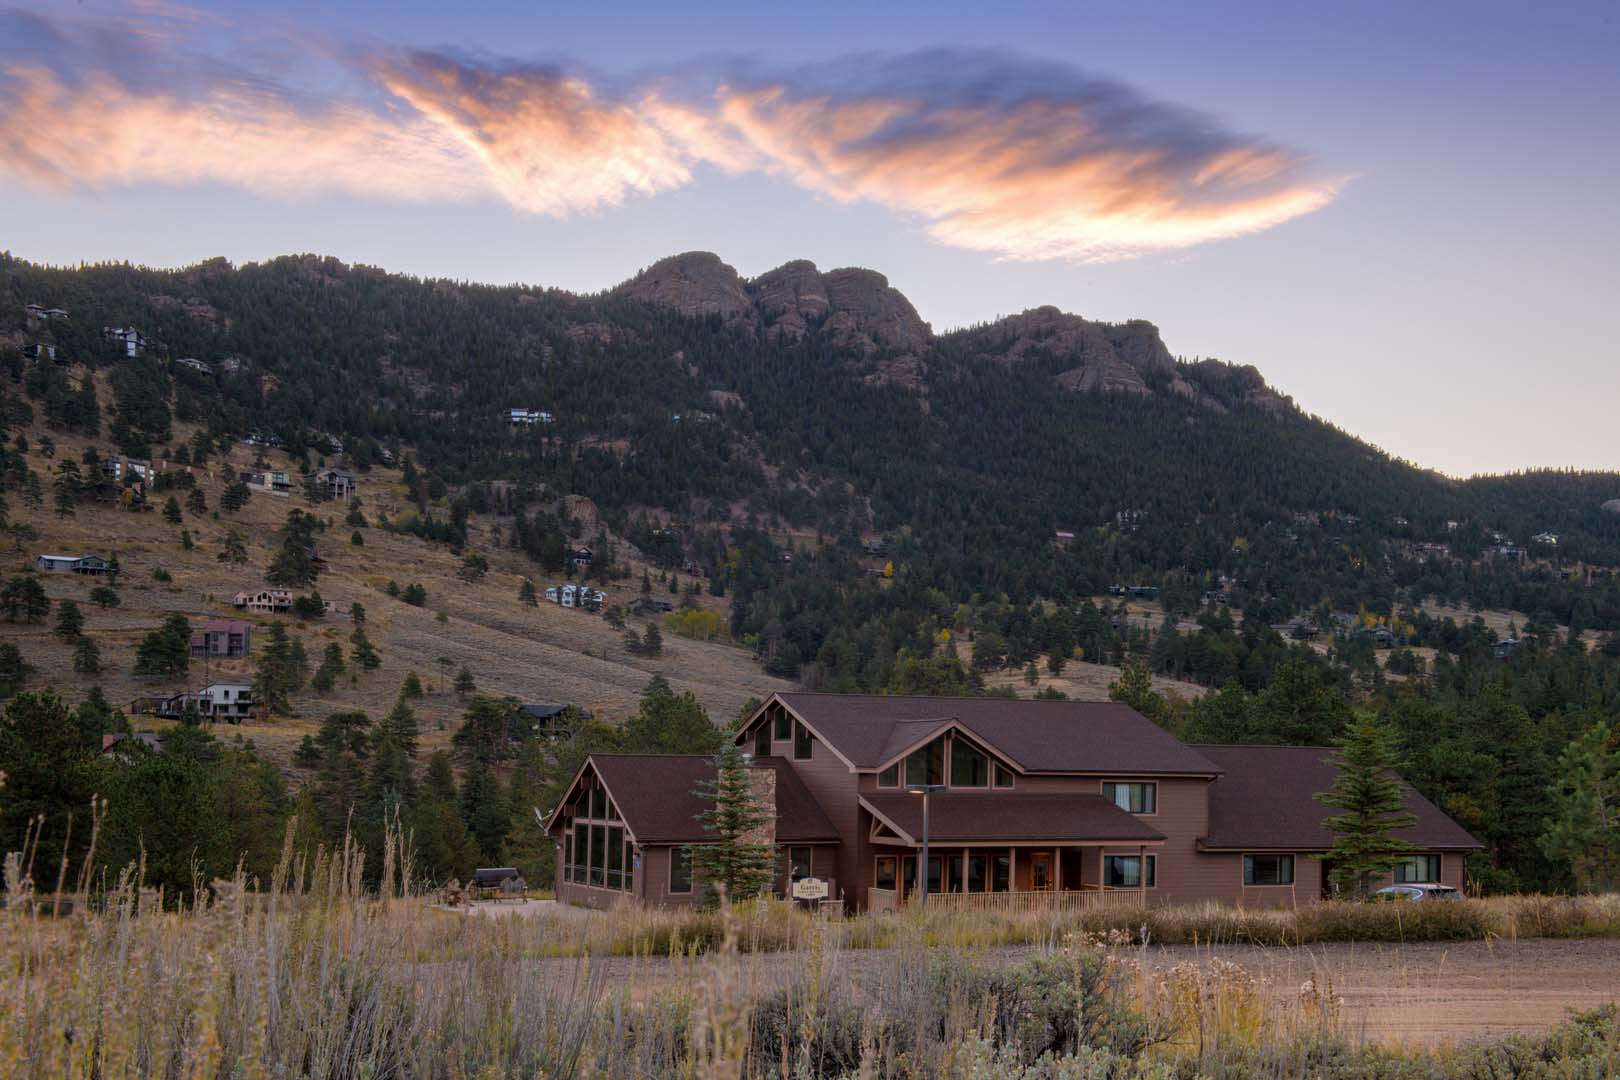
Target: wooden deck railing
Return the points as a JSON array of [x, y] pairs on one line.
[[1009, 903]]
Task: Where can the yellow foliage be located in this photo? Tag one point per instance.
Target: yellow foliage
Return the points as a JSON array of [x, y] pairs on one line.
[[888, 569], [944, 635]]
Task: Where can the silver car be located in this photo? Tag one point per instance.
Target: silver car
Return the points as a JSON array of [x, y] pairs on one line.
[[1417, 891]]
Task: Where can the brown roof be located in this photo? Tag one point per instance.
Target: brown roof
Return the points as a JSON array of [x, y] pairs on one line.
[[975, 818], [1265, 799], [655, 796], [1038, 736], [799, 818]]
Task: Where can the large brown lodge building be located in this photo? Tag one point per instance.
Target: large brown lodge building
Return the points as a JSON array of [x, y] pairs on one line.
[[1081, 802]]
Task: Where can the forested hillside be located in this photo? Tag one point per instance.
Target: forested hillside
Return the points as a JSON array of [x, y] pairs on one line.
[[882, 507]]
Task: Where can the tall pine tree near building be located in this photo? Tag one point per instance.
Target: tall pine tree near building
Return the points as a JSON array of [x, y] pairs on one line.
[[1372, 805], [733, 863]]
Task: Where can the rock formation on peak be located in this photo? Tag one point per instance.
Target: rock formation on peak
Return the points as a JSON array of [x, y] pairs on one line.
[[694, 283], [790, 297]]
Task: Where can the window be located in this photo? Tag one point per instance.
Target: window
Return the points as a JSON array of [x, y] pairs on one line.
[[568, 854], [1418, 868], [1040, 872], [926, 766], [784, 725], [1268, 869], [801, 742], [934, 868], [629, 865], [615, 857], [1136, 798], [969, 768], [889, 777], [581, 850], [1004, 776], [598, 803], [1001, 874], [680, 870], [884, 878], [977, 865], [598, 854], [762, 741], [798, 863], [953, 874], [1125, 871]]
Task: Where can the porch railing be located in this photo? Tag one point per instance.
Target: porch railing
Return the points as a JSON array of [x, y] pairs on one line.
[[1011, 903]]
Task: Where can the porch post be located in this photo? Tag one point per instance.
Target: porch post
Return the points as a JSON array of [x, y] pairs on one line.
[[1057, 857], [1141, 873], [967, 853], [1012, 869]]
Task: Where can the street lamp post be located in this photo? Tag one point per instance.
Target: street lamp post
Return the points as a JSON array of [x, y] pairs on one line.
[[922, 870]]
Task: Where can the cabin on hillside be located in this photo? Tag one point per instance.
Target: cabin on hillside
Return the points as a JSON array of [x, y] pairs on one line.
[[223, 639], [264, 601], [581, 557], [78, 564], [336, 483], [129, 340], [194, 364]]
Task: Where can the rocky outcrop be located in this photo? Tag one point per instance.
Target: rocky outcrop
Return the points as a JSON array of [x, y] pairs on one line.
[[790, 298], [1612, 506], [695, 283], [867, 313]]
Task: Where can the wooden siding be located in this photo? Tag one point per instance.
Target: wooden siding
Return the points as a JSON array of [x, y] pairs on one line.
[[832, 784]]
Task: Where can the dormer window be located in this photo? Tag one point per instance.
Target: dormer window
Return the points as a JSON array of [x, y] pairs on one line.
[[926, 765], [969, 767]]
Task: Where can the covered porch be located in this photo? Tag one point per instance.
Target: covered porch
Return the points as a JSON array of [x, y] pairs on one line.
[[1009, 852]]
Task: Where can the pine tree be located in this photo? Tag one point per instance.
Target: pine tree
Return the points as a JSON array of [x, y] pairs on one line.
[[233, 549], [1372, 802], [411, 688], [86, 656], [171, 511], [484, 808], [526, 593], [283, 666], [400, 726], [361, 651], [197, 502], [23, 599], [1584, 830], [733, 862], [69, 621], [165, 653], [464, 681]]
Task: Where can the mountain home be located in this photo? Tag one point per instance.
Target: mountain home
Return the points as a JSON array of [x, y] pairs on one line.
[[1035, 803]]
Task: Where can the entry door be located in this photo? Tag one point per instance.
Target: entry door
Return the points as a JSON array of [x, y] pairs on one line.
[[1040, 872]]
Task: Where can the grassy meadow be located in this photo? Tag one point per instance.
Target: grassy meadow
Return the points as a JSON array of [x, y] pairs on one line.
[[313, 976]]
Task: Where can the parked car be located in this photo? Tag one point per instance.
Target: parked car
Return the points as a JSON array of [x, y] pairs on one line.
[[1424, 891]]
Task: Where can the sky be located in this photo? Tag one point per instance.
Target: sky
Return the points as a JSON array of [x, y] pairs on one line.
[[1403, 215]]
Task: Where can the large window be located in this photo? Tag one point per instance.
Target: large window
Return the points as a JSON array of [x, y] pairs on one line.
[[884, 878], [1000, 873], [598, 854], [969, 768], [1125, 871], [1268, 869], [598, 807], [615, 857], [762, 741], [927, 765], [581, 852], [801, 742], [1418, 869], [680, 870], [784, 725], [1135, 797], [889, 777], [798, 863], [977, 868]]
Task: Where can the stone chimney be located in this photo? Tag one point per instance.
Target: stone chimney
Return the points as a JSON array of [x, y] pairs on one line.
[[763, 781]]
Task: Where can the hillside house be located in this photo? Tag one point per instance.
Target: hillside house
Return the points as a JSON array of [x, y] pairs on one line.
[[39, 350], [540, 720], [231, 365], [231, 702], [264, 601], [120, 743], [223, 638], [193, 364], [336, 483], [1039, 803], [130, 341], [1505, 648], [78, 564], [1299, 628], [1547, 538], [1063, 536], [529, 417], [269, 481], [38, 311], [581, 557]]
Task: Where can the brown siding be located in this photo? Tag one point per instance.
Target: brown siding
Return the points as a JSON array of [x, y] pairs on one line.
[[833, 785]]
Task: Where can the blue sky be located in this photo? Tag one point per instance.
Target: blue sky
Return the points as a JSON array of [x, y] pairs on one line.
[[1414, 233]]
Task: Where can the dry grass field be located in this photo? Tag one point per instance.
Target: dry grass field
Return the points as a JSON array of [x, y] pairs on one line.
[[543, 653]]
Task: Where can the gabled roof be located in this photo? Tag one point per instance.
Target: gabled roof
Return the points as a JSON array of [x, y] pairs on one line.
[[1009, 818], [1036, 736], [1266, 799], [656, 797]]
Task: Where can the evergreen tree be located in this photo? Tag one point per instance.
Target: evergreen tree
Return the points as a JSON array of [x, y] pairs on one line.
[[1584, 829], [281, 674], [1134, 687], [1372, 805], [197, 502], [49, 772], [235, 496], [526, 593], [483, 735], [14, 670], [528, 846], [444, 847], [670, 723], [411, 688], [104, 596], [484, 808], [165, 653], [69, 621], [400, 725], [86, 656], [465, 683], [171, 511], [733, 861], [233, 548], [23, 599], [361, 651]]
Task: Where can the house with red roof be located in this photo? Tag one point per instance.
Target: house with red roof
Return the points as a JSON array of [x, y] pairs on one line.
[[1031, 804]]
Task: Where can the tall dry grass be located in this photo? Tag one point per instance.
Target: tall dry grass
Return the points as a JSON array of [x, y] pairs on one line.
[[314, 976]]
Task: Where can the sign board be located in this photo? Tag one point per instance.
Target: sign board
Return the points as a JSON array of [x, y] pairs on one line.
[[809, 888]]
